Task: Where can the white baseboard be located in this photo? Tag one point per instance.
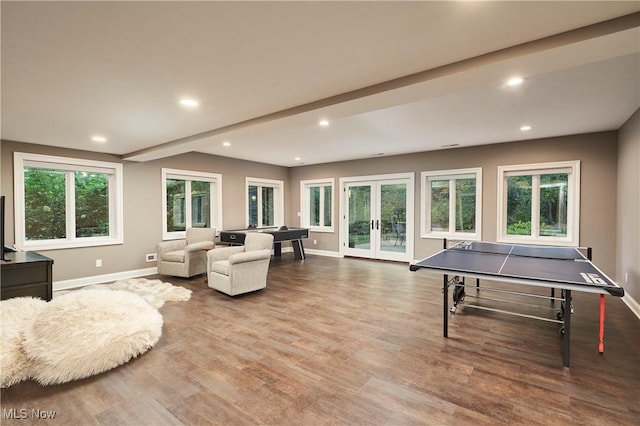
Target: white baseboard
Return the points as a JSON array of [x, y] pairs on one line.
[[314, 251], [632, 304], [323, 252], [99, 279]]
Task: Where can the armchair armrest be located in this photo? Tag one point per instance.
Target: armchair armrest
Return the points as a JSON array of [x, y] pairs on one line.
[[249, 256], [202, 245], [223, 253]]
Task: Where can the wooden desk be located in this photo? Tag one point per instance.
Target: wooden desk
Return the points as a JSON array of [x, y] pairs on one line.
[[26, 273]]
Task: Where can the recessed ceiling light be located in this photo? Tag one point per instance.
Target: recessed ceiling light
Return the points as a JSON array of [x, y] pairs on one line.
[[189, 102], [525, 128], [99, 139], [515, 81], [226, 143], [297, 158], [323, 122]]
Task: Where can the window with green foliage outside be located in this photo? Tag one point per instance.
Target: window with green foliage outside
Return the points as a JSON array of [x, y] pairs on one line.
[[66, 202], [191, 200], [45, 192], [539, 203], [316, 204], [265, 204], [552, 200], [451, 205]]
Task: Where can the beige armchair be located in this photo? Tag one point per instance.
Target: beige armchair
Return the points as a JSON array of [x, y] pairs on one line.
[[240, 269], [188, 257]]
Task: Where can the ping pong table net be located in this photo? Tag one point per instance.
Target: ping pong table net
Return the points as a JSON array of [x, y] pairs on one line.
[[520, 250]]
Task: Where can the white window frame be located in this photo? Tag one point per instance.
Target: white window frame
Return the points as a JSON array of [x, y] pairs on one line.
[[573, 202], [70, 166], [305, 198], [278, 205], [215, 196], [425, 205]]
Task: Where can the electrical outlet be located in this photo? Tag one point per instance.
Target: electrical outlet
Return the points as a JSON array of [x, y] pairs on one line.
[[626, 278], [315, 242], [151, 257], [98, 263]]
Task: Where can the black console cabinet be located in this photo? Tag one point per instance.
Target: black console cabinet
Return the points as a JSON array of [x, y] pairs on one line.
[[26, 273]]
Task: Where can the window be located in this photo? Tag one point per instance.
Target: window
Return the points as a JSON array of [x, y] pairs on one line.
[[66, 202], [265, 202], [539, 203], [451, 203], [190, 200], [316, 204]]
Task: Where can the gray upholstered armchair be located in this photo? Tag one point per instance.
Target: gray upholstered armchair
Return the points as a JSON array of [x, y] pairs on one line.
[[241, 269], [188, 257]]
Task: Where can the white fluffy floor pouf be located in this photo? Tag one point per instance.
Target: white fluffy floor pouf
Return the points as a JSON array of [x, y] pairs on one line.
[[16, 314], [87, 332]]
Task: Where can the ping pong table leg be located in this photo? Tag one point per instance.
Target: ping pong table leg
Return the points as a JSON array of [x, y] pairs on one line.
[[445, 311], [601, 343], [567, 328]]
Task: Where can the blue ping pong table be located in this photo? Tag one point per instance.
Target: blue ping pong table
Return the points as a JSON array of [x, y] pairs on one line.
[[564, 268]]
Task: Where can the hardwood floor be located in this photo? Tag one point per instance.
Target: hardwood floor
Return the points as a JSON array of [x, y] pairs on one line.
[[354, 342]]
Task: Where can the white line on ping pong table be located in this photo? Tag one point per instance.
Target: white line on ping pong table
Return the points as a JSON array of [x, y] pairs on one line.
[[505, 259]]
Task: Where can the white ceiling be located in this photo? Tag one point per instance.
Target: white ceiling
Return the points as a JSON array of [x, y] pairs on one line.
[[392, 77]]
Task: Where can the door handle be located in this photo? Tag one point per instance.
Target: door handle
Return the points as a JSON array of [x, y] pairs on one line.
[[371, 224], [377, 224]]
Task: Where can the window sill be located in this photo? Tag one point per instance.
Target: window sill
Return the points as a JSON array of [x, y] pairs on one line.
[[64, 244]]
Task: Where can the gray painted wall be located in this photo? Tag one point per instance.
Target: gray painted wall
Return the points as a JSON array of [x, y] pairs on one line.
[[628, 218]]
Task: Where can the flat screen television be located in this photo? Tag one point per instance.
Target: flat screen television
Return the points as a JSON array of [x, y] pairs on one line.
[[2, 227]]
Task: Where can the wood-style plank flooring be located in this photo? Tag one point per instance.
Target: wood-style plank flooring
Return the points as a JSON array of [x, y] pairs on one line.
[[354, 342]]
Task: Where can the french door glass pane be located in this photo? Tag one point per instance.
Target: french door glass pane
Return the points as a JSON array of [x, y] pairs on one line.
[[440, 205], [360, 217], [176, 214], [92, 204], [327, 206], [268, 206], [44, 204], [314, 205], [393, 217], [553, 204], [200, 204], [519, 205], [465, 205]]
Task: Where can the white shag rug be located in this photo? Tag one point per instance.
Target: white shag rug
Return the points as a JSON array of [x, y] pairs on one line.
[[16, 314], [88, 332], [76, 335], [155, 292]]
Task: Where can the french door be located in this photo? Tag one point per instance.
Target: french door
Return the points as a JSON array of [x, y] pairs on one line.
[[378, 217]]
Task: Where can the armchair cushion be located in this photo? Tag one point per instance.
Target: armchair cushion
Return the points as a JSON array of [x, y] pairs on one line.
[[220, 267], [173, 256]]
